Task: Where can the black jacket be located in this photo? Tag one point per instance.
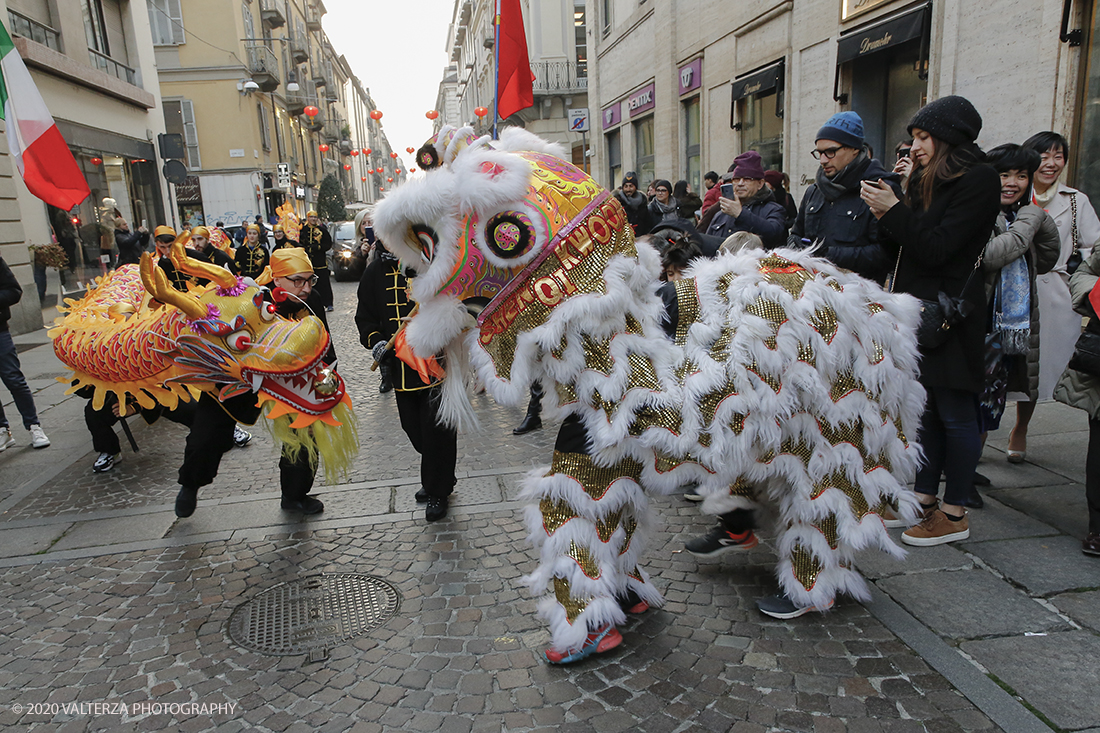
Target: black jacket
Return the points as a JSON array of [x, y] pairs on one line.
[[179, 280], [939, 247], [10, 293], [250, 262], [130, 246], [316, 241], [637, 211], [760, 215], [284, 243], [383, 302], [845, 227]]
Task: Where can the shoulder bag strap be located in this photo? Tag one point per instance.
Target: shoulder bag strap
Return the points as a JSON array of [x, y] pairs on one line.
[[1073, 230]]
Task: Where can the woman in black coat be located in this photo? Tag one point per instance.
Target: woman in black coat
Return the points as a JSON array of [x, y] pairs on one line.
[[938, 235]]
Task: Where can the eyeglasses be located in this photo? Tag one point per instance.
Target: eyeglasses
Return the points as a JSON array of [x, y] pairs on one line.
[[299, 281], [662, 190], [827, 154]]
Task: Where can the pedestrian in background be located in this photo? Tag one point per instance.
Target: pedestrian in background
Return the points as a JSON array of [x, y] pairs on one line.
[[752, 208], [635, 203], [10, 372], [938, 234], [1079, 229], [129, 244], [663, 206]]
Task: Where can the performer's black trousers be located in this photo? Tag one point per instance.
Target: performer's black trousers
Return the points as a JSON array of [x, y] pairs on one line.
[[437, 445], [323, 286], [101, 422]]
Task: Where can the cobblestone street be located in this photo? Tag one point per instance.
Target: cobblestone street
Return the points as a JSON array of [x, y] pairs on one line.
[[108, 598]]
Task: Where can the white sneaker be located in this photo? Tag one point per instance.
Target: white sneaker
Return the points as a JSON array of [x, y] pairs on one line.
[[6, 439], [38, 438], [106, 462], [241, 437]]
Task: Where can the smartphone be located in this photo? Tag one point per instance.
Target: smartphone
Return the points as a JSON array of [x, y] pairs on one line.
[[727, 191], [904, 153]]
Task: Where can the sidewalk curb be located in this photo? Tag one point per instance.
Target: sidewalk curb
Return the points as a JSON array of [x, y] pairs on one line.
[[1002, 708]]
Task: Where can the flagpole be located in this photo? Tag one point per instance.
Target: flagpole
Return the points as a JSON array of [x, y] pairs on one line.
[[496, 69]]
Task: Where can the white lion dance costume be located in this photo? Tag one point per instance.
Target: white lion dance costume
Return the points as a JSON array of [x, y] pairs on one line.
[[789, 383]]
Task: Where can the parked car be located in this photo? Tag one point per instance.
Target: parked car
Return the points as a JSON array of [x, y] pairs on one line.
[[345, 259]]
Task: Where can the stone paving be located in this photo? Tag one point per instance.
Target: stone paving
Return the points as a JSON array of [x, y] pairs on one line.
[[108, 598]]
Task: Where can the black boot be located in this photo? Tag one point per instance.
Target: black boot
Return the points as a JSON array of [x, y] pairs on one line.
[[533, 420], [387, 381], [975, 500], [186, 500]]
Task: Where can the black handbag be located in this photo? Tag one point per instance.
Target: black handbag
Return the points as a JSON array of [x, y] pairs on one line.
[[1086, 352], [938, 316]]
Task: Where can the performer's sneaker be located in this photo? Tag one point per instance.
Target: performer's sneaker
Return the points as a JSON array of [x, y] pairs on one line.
[[719, 541], [6, 438], [632, 603], [241, 437], [106, 462], [692, 494], [186, 501], [306, 505], [598, 642], [937, 529], [782, 607], [38, 437]]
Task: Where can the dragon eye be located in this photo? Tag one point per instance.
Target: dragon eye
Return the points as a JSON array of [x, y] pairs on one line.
[[267, 311], [427, 239], [239, 340]]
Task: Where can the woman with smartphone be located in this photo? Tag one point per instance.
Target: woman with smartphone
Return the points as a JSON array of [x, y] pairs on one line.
[[938, 234]]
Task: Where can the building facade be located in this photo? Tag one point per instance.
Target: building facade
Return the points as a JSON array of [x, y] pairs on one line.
[[682, 87], [557, 47], [92, 61], [256, 87]]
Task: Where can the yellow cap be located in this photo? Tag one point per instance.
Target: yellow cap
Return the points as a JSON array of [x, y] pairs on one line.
[[311, 212], [252, 227], [164, 231], [278, 228], [200, 231], [290, 261]]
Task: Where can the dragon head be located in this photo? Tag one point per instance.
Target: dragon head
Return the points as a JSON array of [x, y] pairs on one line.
[[235, 342], [501, 232]]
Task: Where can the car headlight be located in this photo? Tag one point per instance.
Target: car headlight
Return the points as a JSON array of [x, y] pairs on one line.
[[346, 254]]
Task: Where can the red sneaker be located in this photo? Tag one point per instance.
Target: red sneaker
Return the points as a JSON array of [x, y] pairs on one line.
[[598, 642], [639, 607]]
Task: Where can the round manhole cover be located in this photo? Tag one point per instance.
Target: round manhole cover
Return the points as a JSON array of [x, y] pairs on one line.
[[311, 613]]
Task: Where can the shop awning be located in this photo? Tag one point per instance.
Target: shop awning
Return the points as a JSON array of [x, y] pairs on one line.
[[760, 81], [882, 35]]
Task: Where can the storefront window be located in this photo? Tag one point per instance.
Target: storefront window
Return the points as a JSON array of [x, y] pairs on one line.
[[614, 159], [693, 149], [762, 130], [886, 92], [643, 151]]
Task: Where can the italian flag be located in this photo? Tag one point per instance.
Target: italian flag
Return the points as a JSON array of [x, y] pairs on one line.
[[40, 153]]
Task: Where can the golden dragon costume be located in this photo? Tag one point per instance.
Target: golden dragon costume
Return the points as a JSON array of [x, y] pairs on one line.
[[789, 382], [135, 336]]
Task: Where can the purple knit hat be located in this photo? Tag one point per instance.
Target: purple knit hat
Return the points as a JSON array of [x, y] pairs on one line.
[[748, 165]]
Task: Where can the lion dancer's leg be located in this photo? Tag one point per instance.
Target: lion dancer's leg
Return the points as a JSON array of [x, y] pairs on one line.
[[588, 523]]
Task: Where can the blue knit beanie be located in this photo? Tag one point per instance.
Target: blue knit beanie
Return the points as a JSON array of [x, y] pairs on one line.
[[845, 128]]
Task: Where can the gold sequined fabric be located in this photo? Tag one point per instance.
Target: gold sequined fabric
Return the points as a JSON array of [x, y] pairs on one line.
[[828, 528], [784, 273], [824, 322], [805, 566], [607, 526], [555, 514], [593, 479], [839, 480], [687, 301], [630, 526], [583, 557], [772, 312], [564, 595]]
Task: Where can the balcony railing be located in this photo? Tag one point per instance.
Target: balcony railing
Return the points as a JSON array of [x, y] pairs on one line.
[[297, 101], [334, 129], [313, 18], [559, 77], [298, 49], [263, 65], [271, 12], [21, 25], [112, 67]]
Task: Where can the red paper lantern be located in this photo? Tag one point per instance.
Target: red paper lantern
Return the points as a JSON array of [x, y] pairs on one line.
[[412, 170], [97, 161], [379, 169], [393, 155], [364, 178], [389, 180], [381, 188], [376, 114], [481, 111], [431, 114], [354, 153], [311, 111], [410, 150], [397, 171], [323, 147], [366, 151], [347, 166]]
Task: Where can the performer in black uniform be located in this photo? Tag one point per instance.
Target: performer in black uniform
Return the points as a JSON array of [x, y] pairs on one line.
[[251, 258], [281, 239], [316, 241], [383, 301]]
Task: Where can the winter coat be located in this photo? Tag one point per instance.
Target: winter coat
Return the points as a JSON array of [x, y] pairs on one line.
[[1032, 235], [1075, 388], [939, 248], [658, 214], [637, 211], [845, 228], [1061, 326], [10, 293], [130, 246], [760, 215]]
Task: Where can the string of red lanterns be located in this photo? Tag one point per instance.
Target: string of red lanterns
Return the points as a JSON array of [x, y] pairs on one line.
[[311, 111], [481, 111], [323, 148], [354, 153]]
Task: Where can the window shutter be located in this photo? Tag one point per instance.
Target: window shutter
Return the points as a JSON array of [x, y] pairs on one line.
[[176, 13], [190, 134]]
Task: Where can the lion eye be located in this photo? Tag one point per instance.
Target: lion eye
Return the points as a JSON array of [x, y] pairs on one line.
[[267, 311], [239, 340], [427, 239]]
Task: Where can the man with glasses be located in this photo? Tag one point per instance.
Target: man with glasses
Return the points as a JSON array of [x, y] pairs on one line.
[[833, 216], [747, 205]]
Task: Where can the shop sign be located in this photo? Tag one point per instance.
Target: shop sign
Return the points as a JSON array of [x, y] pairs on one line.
[[641, 101], [852, 8], [612, 115], [188, 192], [691, 76]]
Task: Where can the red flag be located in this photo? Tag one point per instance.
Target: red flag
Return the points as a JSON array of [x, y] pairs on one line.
[[514, 75]]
